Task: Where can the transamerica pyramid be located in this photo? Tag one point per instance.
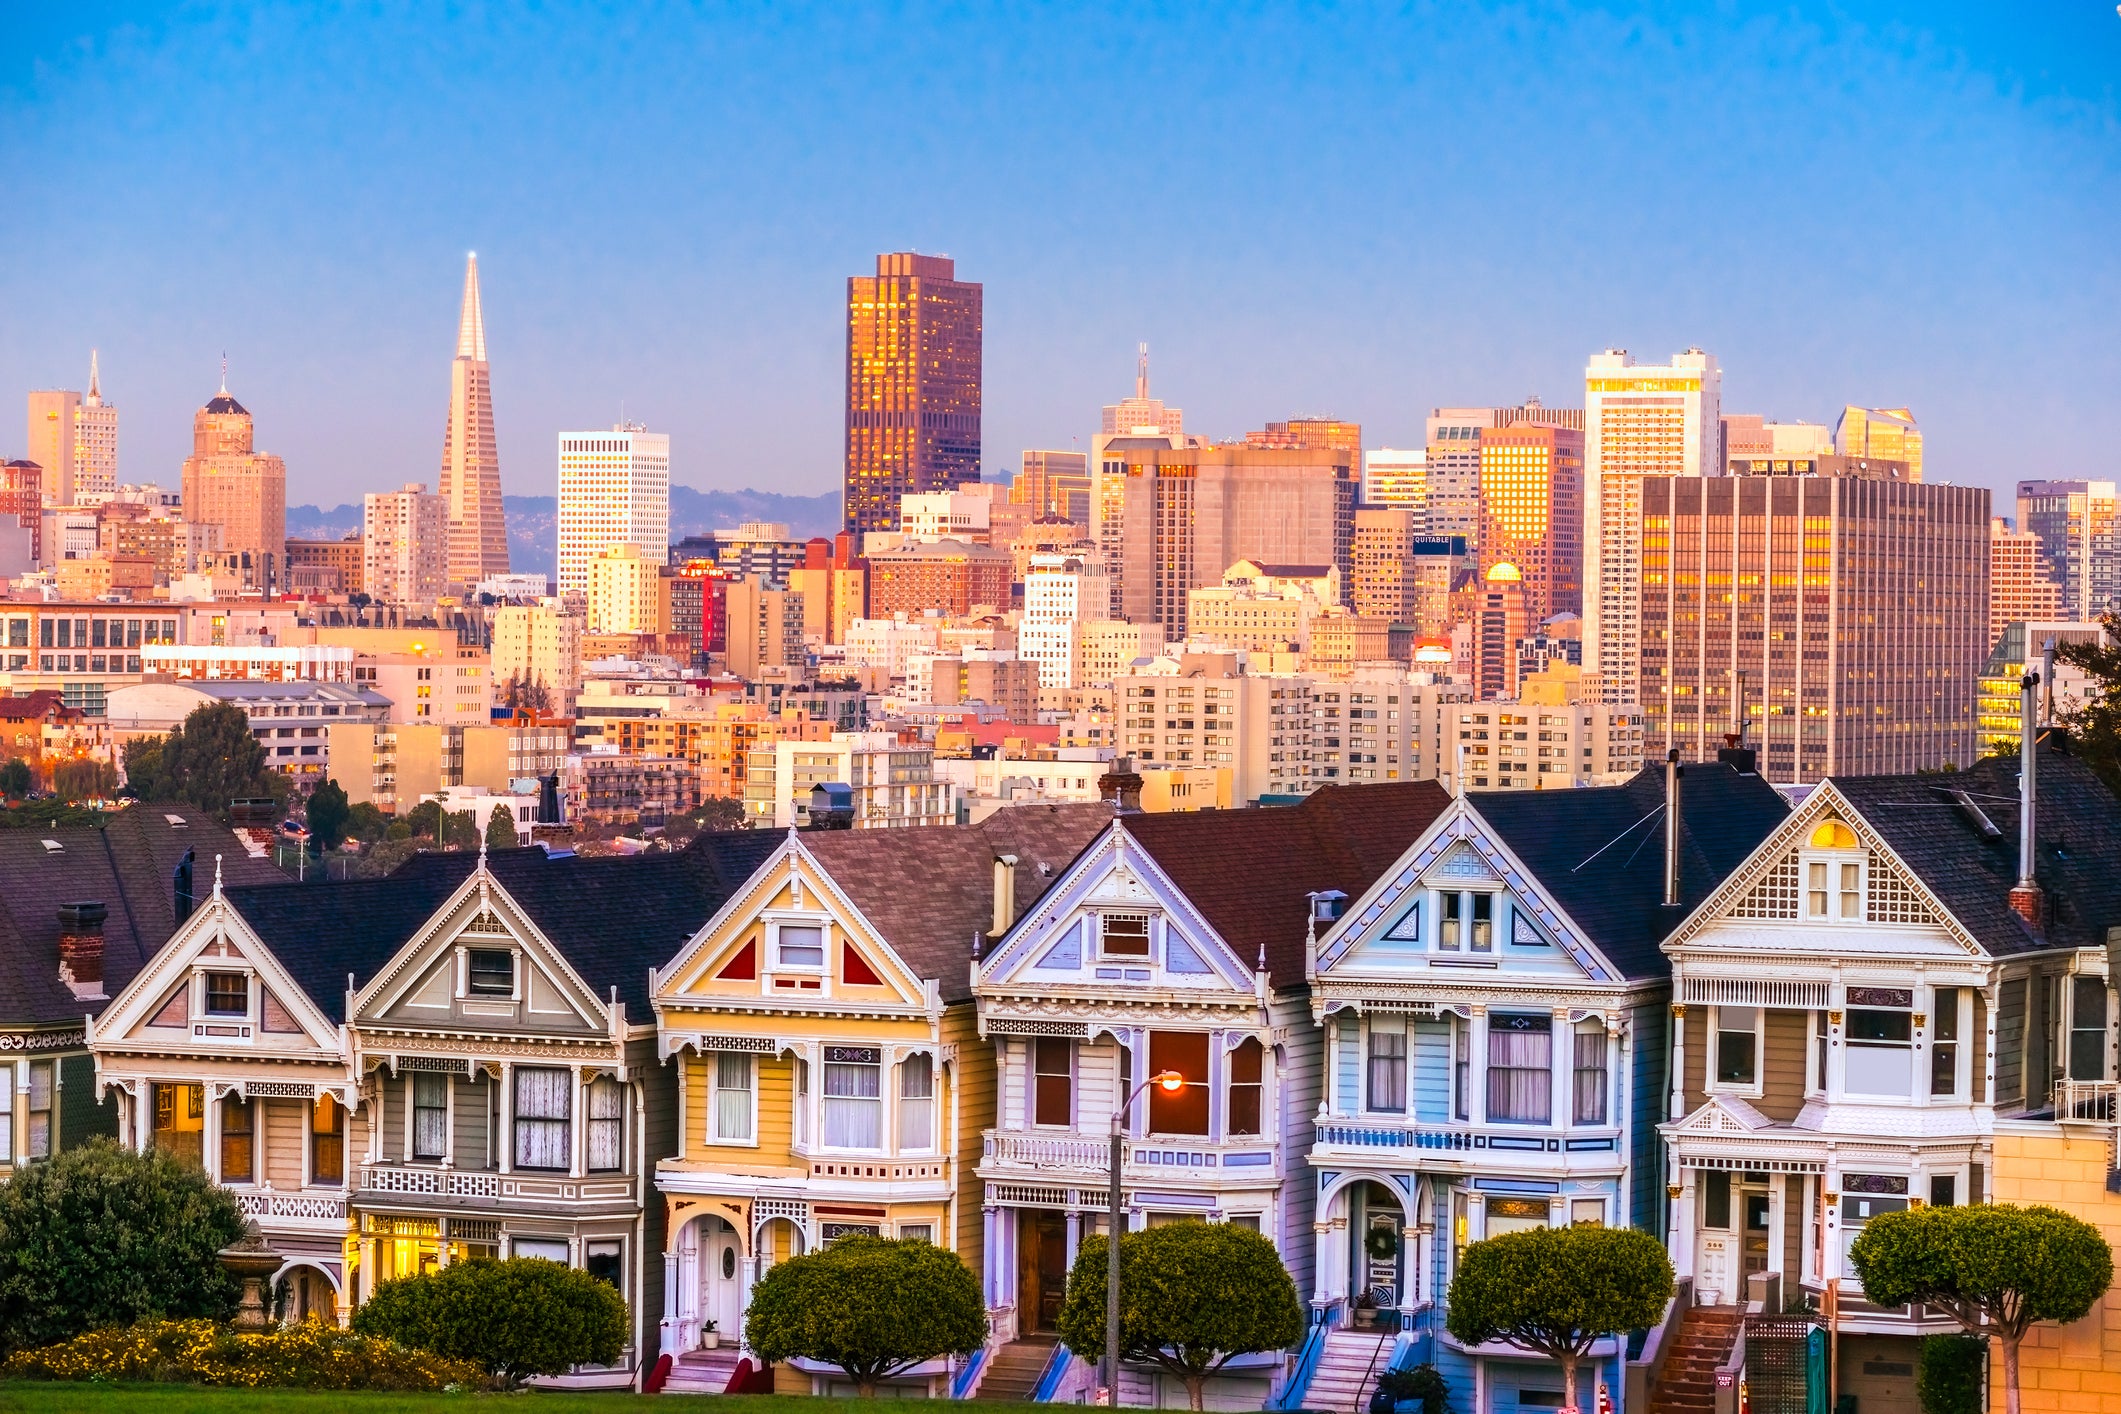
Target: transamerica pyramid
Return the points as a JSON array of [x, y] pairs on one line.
[[471, 464]]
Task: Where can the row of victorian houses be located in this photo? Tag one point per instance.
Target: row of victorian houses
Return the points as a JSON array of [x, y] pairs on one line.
[[1406, 1021]]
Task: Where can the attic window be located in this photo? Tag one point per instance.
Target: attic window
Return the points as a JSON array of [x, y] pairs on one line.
[[1123, 934], [491, 972]]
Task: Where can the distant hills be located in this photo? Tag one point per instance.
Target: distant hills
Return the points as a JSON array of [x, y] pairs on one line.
[[533, 521]]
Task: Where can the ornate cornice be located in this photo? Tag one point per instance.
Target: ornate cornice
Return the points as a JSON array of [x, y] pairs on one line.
[[20, 1042]]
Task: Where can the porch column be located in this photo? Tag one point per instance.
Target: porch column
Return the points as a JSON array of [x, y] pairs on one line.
[[144, 1116], [577, 1122], [507, 1143], [1777, 1221], [1477, 1068], [1830, 1216], [1561, 1089], [1677, 1108], [1075, 1237], [1683, 1224], [1322, 1262], [210, 1131]]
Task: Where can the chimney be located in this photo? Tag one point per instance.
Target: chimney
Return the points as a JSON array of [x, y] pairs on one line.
[[1672, 771], [1004, 894], [1122, 785], [81, 948], [2025, 898]]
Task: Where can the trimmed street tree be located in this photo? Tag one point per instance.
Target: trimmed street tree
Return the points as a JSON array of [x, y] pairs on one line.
[[1555, 1290], [514, 1318], [1192, 1295], [101, 1236], [870, 1305], [1996, 1268]]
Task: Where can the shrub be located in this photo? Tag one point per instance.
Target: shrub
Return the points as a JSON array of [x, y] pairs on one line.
[[1421, 1384], [870, 1305], [102, 1236], [312, 1355], [523, 1316], [1949, 1380]]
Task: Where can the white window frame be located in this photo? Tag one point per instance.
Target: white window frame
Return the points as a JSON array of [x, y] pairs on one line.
[[1148, 952], [774, 962], [715, 1092], [900, 1100], [1758, 1085], [1833, 861]]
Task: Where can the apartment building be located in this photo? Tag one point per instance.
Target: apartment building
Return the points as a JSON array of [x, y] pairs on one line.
[[892, 783], [2020, 586]]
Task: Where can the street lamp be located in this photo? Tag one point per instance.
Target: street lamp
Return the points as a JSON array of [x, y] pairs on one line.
[[1170, 1082]]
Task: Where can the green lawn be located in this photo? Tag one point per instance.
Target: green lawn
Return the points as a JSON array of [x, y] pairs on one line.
[[37, 1397]]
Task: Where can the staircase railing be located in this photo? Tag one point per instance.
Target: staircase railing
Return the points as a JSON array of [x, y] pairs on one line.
[[1292, 1394], [967, 1381], [1049, 1379], [1646, 1369], [1362, 1398]]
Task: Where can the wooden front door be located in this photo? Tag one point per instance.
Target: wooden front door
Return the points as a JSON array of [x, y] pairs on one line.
[[1042, 1269]]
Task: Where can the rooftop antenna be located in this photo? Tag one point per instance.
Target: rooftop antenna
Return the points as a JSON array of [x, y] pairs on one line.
[[1141, 374], [224, 373], [2047, 682]]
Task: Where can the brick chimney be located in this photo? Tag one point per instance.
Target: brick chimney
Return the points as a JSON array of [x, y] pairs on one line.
[[1122, 785], [81, 948]]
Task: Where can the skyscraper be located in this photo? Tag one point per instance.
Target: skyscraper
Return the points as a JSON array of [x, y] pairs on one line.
[[1451, 461], [95, 439], [471, 462], [914, 335], [2076, 523], [229, 484], [404, 545], [2020, 589], [1531, 494], [1638, 421], [614, 490], [52, 412], [1393, 476], [1881, 432], [1054, 483], [1841, 615]]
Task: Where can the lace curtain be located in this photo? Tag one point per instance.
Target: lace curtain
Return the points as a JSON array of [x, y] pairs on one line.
[[1520, 1068], [607, 1125], [732, 1095], [854, 1106], [916, 1103], [541, 1118]]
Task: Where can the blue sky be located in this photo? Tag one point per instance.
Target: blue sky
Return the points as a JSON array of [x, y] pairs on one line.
[[1350, 210]]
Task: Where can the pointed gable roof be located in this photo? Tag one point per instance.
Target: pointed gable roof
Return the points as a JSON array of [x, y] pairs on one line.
[[929, 890], [126, 865], [1971, 872], [1249, 872], [611, 918], [1599, 851]]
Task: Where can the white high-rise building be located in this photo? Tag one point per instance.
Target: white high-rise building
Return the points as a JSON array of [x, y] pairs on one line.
[[1398, 476], [404, 545], [1639, 420], [1060, 592], [614, 490], [95, 443]]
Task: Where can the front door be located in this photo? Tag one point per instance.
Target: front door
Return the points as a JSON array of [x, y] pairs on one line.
[[1042, 1269], [722, 1262], [1755, 1235]]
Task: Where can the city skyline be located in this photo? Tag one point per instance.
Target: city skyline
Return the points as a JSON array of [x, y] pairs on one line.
[[735, 345]]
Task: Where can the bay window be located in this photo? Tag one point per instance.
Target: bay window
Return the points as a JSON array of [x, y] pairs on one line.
[[1462, 1068], [1052, 1081], [2087, 1029], [1184, 1111], [1944, 1041], [543, 1109], [1880, 1050], [327, 1142], [854, 1097], [237, 1147], [37, 1142], [1520, 1068], [606, 1135], [1247, 1074], [1737, 1046], [1591, 1085], [1388, 1064], [180, 1121], [430, 1115], [916, 1104], [731, 1072]]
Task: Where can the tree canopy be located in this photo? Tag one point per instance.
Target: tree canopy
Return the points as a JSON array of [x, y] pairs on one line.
[[501, 828], [16, 778], [102, 1236], [514, 1318], [2095, 723], [84, 778], [1555, 1290], [870, 1305], [209, 760], [1997, 1268], [326, 815], [1192, 1296]]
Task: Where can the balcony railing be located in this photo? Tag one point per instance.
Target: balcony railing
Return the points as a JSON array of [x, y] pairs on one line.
[[440, 1183], [1154, 1154], [317, 1206], [1501, 1139], [2088, 1101]]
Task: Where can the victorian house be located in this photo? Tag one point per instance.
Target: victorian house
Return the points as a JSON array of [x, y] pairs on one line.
[[1492, 1016], [81, 911], [1903, 997], [819, 1030], [1173, 943]]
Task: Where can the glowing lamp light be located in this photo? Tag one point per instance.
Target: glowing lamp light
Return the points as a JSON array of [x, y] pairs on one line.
[[1170, 1082]]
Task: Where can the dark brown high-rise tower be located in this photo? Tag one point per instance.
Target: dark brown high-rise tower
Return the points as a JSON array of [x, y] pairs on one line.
[[913, 385]]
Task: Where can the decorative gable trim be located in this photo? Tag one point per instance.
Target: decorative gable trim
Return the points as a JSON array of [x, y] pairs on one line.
[[1767, 887], [1459, 840]]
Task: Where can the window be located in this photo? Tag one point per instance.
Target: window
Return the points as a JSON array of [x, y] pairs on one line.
[[38, 1141], [542, 1112], [1123, 934], [7, 1113], [1737, 1042], [1515, 1214], [1880, 1050], [1483, 923], [236, 1141], [491, 972], [1850, 893], [802, 946], [605, 1259], [1944, 1041], [1587, 1212], [180, 1120], [430, 1115], [1815, 889], [1819, 1051], [1590, 1088], [550, 1249], [916, 1232], [607, 1125], [1185, 1112], [1944, 1190], [2087, 1029], [732, 1097], [854, 1104], [1448, 931], [1520, 1068], [1388, 1064], [916, 1103], [1247, 1073], [1052, 1081], [227, 994], [1462, 1068], [1715, 1198], [327, 1142]]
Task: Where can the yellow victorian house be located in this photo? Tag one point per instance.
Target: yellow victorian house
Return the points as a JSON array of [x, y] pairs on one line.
[[831, 1079]]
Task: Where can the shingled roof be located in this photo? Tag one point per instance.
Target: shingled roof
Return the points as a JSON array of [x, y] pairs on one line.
[[127, 867], [612, 918], [1599, 851], [930, 890], [1249, 872], [2077, 822]]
